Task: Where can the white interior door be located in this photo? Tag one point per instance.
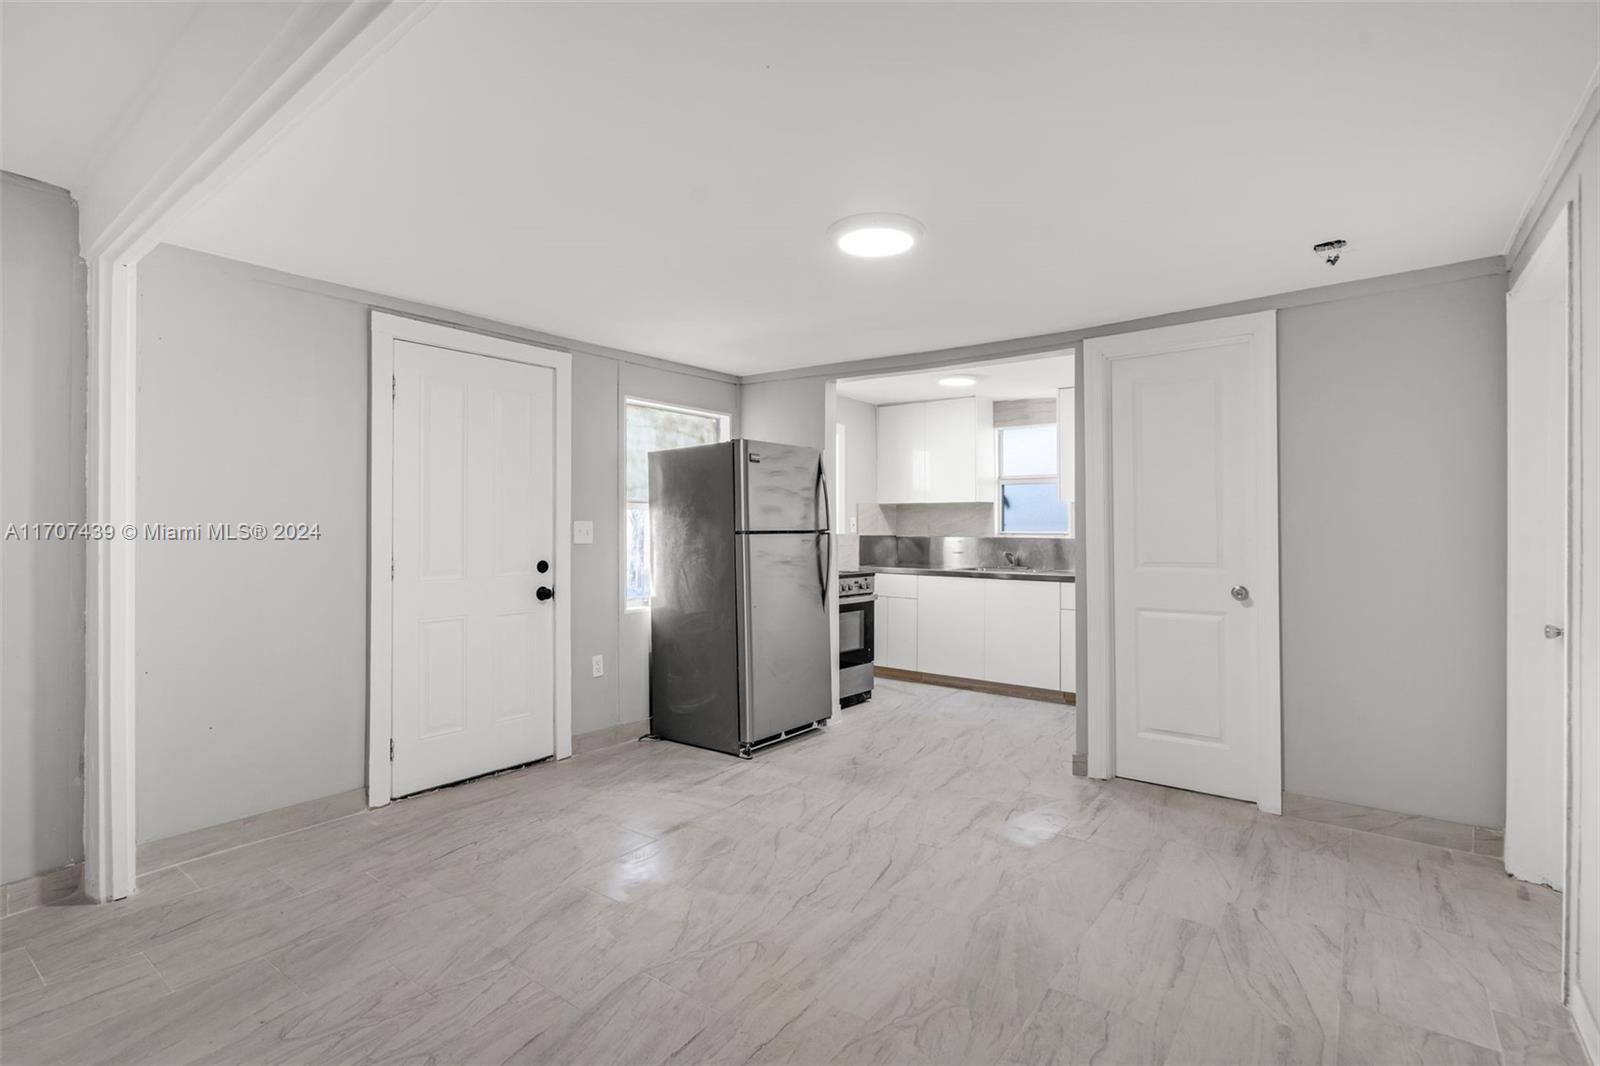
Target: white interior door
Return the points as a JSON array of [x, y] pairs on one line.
[[1537, 338], [474, 504], [1188, 417]]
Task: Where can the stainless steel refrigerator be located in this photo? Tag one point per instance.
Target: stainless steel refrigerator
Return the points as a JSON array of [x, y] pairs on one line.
[[739, 557]]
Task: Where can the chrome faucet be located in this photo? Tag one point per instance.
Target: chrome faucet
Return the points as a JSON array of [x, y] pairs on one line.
[[1011, 559]]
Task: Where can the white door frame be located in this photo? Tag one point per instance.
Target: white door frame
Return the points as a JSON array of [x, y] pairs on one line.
[[386, 330], [324, 43], [1097, 690], [1530, 853]]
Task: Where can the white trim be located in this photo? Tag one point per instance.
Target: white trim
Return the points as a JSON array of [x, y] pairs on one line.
[[110, 825], [386, 330], [321, 46], [1096, 688]]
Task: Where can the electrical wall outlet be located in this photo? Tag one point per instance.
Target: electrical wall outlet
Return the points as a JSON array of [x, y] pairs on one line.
[[852, 523], [583, 533], [599, 664]]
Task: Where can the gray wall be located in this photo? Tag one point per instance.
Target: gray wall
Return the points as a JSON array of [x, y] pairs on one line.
[[1392, 472], [1392, 469], [252, 657], [860, 421], [42, 383]]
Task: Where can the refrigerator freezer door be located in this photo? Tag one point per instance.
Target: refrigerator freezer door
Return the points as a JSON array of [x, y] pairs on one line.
[[780, 488], [784, 621], [694, 603]]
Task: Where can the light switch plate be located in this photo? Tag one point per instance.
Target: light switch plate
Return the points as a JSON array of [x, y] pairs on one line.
[[599, 665], [583, 532], [852, 523]]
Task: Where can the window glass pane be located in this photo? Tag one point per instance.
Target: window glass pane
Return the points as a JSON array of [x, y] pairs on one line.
[[654, 429], [638, 533], [1028, 451], [1032, 507]]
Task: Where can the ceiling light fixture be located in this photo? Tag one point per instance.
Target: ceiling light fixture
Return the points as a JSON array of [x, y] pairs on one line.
[[875, 236], [958, 381]]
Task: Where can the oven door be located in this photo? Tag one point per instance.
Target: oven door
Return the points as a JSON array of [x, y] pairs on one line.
[[855, 633]]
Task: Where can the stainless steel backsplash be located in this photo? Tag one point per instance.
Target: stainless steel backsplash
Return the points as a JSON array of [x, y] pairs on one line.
[[945, 553]]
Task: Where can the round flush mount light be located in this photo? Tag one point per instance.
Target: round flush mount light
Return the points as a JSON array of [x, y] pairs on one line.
[[875, 236], [958, 381]]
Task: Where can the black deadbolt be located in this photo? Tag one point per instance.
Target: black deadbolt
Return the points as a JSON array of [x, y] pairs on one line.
[[542, 567], [544, 593]]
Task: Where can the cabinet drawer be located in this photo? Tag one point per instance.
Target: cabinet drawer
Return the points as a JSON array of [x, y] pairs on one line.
[[896, 586]]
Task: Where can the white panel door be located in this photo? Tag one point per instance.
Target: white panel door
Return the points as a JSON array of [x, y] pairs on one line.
[[474, 645], [952, 435], [1194, 533], [894, 637], [1537, 332], [902, 453], [950, 626], [1021, 632]]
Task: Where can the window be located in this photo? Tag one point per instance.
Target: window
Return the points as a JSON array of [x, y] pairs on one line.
[[653, 428], [1028, 501]]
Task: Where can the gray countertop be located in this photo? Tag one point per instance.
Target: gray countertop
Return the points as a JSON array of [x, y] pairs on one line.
[[1002, 574]]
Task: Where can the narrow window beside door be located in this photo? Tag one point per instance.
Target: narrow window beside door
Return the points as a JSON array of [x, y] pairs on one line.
[[652, 428]]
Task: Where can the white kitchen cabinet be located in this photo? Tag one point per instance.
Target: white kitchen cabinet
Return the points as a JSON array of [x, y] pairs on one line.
[[1022, 633], [894, 625], [1069, 651], [950, 623], [941, 451], [902, 453]]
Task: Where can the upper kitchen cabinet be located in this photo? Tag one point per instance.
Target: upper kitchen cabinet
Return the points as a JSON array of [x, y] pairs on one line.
[[941, 451]]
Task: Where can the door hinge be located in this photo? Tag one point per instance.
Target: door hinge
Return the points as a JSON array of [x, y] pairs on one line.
[[394, 387], [391, 749], [391, 569]]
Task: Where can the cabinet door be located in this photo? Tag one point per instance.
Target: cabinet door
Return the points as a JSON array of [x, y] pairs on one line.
[[952, 436], [1069, 652], [902, 453], [950, 626], [895, 633], [1022, 633]]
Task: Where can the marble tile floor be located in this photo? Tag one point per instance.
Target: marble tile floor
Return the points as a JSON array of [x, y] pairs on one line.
[[923, 882]]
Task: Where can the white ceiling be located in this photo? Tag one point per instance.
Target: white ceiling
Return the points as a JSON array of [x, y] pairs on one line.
[[1035, 378], [660, 177], [69, 73]]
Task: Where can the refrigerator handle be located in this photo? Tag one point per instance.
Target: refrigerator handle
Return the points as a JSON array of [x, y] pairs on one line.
[[820, 493], [824, 562]]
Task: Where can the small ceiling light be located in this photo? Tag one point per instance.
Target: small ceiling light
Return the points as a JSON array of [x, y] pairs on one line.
[[1330, 251], [958, 381], [875, 236]]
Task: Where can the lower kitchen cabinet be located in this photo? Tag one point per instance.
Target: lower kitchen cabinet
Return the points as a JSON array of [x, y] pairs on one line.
[[1069, 651], [894, 624], [950, 622], [1022, 633]]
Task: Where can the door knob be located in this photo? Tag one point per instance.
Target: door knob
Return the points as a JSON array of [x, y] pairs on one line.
[[544, 593], [1553, 632], [1240, 593]]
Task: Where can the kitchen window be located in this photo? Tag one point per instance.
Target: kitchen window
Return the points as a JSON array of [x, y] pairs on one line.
[[1028, 476], [653, 427]]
